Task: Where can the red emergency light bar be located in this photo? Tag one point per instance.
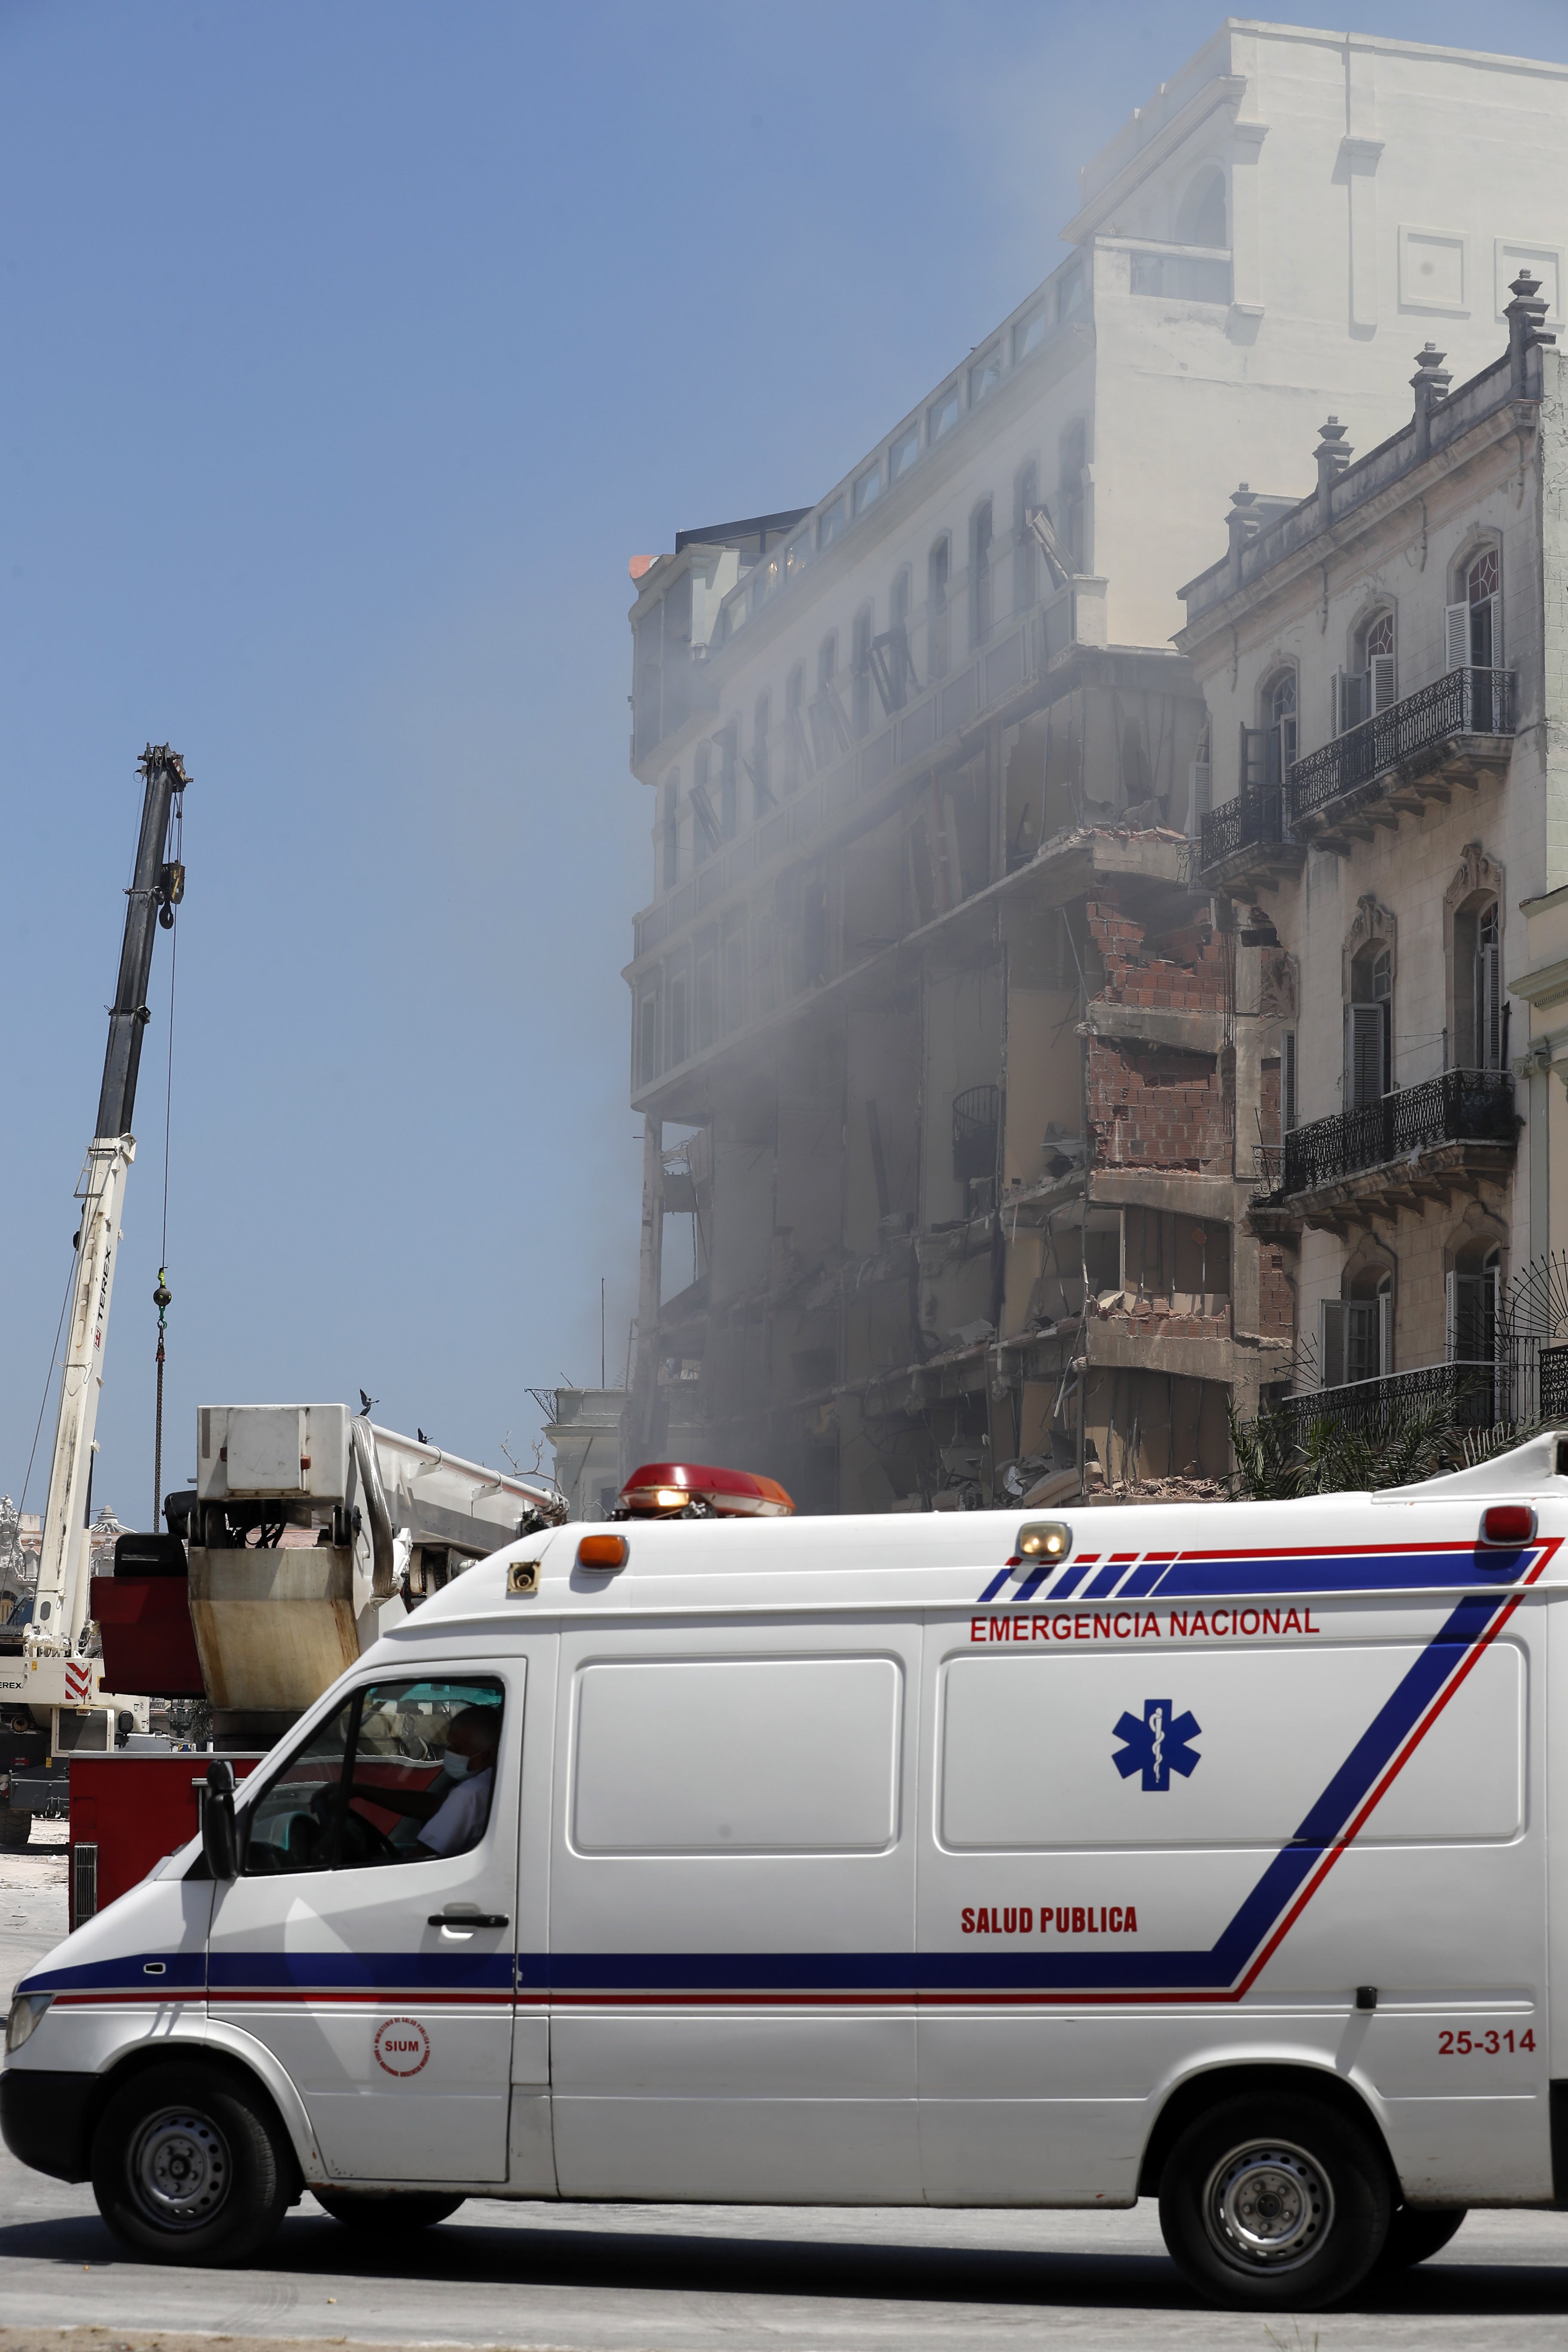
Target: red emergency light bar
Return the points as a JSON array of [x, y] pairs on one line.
[[660, 1490]]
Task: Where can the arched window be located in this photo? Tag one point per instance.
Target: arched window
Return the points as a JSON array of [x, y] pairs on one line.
[[1355, 1331], [938, 564], [1478, 999], [1484, 637], [1369, 1325], [1369, 1026], [1278, 717], [1472, 1303], [1025, 551], [979, 597], [762, 752], [827, 659], [1369, 684], [1201, 215], [860, 683], [797, 756]]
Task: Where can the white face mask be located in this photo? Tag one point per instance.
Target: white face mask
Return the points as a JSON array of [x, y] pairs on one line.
[[456, 1767]]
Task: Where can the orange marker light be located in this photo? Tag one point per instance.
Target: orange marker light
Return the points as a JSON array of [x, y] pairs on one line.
[[604, 1552]]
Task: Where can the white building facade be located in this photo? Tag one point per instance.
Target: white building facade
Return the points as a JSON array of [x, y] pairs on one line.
[[1385, 665]]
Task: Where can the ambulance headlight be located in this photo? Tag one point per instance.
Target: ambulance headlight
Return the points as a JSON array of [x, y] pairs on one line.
[[27, 2015], [1044, 1541]]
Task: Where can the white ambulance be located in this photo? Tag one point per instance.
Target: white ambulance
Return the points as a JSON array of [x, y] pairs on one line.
[[1210, 1855]]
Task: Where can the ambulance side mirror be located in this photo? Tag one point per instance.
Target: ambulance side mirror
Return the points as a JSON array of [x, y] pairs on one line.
[[220, 1842]]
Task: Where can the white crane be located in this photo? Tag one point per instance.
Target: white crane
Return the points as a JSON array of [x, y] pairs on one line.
[[56, 1672]]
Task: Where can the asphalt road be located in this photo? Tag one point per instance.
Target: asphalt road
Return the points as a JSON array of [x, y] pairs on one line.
[[614, 2278]]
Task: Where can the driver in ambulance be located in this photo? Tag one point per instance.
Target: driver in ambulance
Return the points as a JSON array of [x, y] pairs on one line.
[[455, 1806]]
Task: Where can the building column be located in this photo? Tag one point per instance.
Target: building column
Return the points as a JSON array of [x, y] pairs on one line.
[[637, 1421]]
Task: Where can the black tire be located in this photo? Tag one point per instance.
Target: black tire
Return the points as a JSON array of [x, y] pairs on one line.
[[384, 2213], [189, 2165], [15, 1829], [1415, 2231], [1275, 2203]]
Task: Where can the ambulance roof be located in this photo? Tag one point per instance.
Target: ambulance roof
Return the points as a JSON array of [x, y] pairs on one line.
[[1405, 1539]]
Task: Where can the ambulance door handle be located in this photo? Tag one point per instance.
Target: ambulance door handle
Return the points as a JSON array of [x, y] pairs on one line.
[[468, 1919]]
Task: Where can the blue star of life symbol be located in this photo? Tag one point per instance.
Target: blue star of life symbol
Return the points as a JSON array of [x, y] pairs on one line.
[[1158, 1746]]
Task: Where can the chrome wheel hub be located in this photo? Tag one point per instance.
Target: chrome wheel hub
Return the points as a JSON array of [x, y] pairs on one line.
[[1267, 2206], [180, 2170]]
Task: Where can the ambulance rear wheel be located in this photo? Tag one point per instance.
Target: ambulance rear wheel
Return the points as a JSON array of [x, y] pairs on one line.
[[384, 2214], [1275, 2204], [188, 2165]]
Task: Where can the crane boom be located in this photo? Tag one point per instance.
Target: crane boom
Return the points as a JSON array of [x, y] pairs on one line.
[[156, 889]]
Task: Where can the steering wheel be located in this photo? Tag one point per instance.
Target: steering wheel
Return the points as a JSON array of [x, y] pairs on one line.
[[361, 1841]]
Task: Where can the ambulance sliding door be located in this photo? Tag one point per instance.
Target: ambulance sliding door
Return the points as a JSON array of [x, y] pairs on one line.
[[1158, 1851], [733, 1913]]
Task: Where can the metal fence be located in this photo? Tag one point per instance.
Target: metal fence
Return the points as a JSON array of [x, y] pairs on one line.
[[1459, 1105], [1464, 702]]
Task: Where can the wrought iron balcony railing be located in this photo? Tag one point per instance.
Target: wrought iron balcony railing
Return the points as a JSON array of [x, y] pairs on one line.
[[1475, 1394], [1459, 1107], [1464, 702], [1256, 815]]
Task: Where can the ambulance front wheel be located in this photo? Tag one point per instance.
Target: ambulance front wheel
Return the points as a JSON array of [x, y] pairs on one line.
[[1416, 2232], [386, 2214], [189, 2166], [1275, 2204]]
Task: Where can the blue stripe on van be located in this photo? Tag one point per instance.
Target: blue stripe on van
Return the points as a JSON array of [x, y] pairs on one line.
[[1220, 1575], [1225, 1575]]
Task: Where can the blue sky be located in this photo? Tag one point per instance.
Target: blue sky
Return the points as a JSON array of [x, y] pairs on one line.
[[350, 350]]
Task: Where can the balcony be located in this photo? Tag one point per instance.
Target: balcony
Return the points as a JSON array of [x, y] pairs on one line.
[[1445, 737], [1476, 1395], [1417, 1144], [1247, 843]]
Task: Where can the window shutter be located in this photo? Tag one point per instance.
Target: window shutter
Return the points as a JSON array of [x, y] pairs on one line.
[[1382, 683], [1353, 699], [1365, 1073], [1252, 756], [1330, 1343], [1287, 1080], [1457, 636], [1455, 1317], [1488, 999], [1385, 1334]]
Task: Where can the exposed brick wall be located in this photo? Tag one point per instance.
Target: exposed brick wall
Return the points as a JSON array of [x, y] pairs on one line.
[[1155, 1107], [1183, 968], [1275, 1296]]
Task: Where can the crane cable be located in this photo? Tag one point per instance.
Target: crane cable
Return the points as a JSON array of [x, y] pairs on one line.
[[161, 1295]]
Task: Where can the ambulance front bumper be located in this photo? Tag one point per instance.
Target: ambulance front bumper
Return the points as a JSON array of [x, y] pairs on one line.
[[44, 2119]]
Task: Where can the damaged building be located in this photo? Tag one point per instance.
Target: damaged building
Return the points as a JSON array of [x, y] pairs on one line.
[[944, 1044]]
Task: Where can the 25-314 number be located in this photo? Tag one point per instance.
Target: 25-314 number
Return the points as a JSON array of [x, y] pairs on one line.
[[1465, 2045]]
